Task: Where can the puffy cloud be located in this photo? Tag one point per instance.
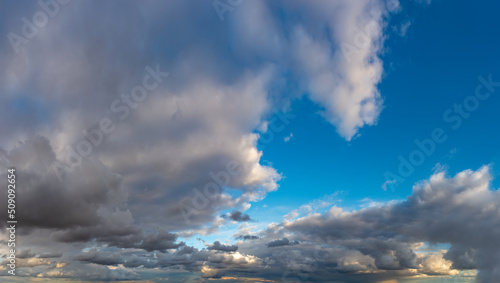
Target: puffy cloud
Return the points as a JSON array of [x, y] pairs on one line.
[[436, 264], [339, 68], [440, 210]]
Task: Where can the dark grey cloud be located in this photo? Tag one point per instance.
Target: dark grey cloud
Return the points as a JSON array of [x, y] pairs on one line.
[[77, 201], [89, 202], [104, 258], [208, 263], [248, 237], [25, 253], [281, 242], [462, 257], [128, 238], [217, 246], [237, 216], [50, 255]]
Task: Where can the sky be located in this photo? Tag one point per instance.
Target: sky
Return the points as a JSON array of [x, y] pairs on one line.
[[251, 141]]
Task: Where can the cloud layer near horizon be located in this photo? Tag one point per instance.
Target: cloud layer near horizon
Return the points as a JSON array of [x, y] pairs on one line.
[[368, 245]]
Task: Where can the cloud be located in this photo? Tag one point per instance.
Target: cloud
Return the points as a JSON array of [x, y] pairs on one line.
[[340, 68], [248, 237], [87, 197], [237, 216], [436, 264], [26, 253], [440, 210], [103, 258], [281, 242], [217, 246], [372, 244], [50, 255], [402, 29], [462, 257], [89, 202]]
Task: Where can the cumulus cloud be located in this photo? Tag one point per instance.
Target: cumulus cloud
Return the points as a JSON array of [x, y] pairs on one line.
[[440, 210]]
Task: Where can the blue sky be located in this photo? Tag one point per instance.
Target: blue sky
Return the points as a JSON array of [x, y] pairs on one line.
[[117, 116]]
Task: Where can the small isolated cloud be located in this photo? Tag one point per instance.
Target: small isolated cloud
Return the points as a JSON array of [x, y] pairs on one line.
[[217, 246], [287, 138], [237, 216], [402, 29], [248, 237], [281, 242]]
